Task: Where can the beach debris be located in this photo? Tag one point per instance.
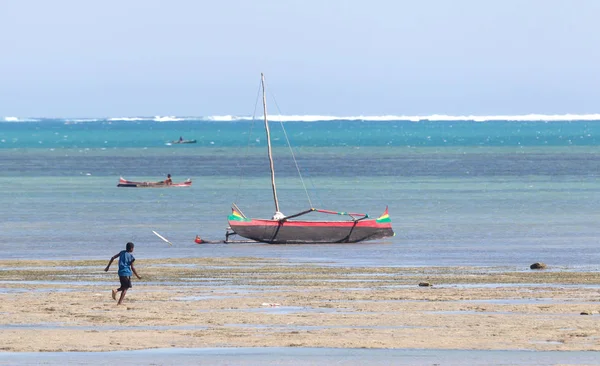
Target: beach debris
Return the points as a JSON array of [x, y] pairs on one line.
[[271, 304], [586, 312], [424, 284], [538, 265]]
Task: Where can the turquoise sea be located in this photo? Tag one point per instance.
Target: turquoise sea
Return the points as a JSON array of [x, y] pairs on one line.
[[460, 192]]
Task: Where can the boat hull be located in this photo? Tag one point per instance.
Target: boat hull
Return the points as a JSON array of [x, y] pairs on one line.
[[184, 142], [130, 184], [311, 232]]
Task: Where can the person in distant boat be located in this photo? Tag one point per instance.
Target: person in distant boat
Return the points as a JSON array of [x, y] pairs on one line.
[[168, 181], [126, 268], [180, 138]]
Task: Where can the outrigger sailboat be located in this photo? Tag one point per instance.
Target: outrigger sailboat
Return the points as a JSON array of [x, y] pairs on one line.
[[282, 229]]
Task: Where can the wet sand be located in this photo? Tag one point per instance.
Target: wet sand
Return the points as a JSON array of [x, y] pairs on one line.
[[58, 306]]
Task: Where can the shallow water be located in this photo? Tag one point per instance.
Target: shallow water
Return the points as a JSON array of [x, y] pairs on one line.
[[492, 194], [302, 356]]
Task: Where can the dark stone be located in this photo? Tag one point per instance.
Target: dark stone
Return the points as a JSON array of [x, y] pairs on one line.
[[538, 265], [424, 284]]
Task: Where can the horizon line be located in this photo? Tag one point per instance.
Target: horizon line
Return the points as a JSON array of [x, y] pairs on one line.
[[323, 118]]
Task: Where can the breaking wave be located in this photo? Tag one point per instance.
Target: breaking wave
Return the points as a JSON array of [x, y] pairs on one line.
[[155, 119], [325, 118], [17, 119], [433, 117]]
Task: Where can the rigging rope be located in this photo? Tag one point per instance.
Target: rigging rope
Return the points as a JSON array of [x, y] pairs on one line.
[[291, 151], [258, 93], [237, 193]]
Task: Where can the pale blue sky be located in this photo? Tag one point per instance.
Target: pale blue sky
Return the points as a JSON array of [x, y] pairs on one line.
[[75, 58]]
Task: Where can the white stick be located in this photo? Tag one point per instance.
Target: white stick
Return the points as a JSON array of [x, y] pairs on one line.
[[162, 237]]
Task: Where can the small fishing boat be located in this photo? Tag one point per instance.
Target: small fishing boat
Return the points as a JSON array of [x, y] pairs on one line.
[[127, 183], [282, 229], [181, 141]]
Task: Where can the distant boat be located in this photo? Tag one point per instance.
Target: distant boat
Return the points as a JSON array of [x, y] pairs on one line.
[[182, 141], [127, 183], [282, 229]]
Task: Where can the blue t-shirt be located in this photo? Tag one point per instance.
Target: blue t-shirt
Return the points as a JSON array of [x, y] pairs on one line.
[[125, 260]]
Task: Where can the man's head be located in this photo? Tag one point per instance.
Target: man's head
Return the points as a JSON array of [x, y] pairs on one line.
[[129, 247], [168, 175]]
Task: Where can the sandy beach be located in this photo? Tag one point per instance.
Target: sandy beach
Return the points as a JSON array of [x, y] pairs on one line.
[[59, 306]]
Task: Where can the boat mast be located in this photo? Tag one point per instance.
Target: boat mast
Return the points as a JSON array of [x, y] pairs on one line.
[[262, 80]]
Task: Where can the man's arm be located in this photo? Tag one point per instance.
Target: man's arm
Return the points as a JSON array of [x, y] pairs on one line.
[[110, 262], [134, 272]]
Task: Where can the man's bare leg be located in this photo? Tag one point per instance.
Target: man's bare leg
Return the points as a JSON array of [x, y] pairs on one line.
[[123, 292]]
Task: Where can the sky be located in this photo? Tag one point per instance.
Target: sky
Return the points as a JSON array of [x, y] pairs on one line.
[[114, 58]]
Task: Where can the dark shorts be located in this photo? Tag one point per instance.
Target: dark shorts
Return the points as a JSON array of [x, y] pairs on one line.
[[125, 282]]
